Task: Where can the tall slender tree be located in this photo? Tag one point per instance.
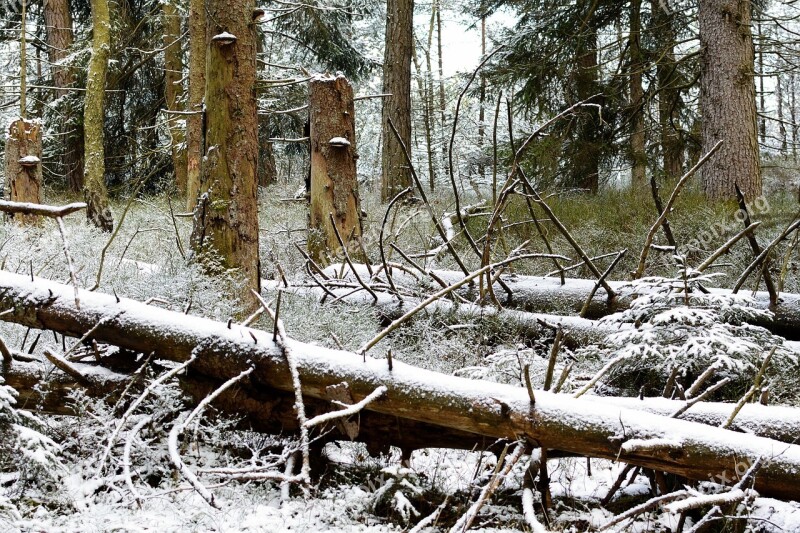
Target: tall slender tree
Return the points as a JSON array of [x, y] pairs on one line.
[[197, 91], [94, 190], [173, 88]]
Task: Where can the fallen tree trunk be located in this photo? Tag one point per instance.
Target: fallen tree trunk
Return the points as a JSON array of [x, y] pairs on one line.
[[547, 295], [496, 411], [580, 331]]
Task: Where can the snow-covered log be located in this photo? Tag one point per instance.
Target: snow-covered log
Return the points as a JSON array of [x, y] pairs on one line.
[[557, 422], [546, 295], [580, 331]]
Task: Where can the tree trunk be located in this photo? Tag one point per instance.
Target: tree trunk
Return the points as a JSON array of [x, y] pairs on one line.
[[58, 26], [728, 100], [173, 90], [585, 168], [197, 90], [546, 295], [493, 410], [226, 221], [422, 89], [669, 97], [334, 184], [24, 166], [94, 188], [442, 101], [397, 82], [637, 139]]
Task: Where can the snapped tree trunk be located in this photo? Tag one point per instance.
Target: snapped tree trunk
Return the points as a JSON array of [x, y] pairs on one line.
[[173, 89], [94, 188], [728, 99], [197, 90], [334, 184], [492, 410], [397, 107], [24, 166], [226, 219]]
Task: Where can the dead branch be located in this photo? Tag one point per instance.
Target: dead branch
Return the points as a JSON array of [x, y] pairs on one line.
[[40, 209], [667, 208]]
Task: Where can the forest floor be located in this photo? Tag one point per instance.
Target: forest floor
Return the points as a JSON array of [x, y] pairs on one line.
[[357, 492]]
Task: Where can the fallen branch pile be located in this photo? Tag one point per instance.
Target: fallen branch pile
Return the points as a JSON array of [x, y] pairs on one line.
[[442, 408]]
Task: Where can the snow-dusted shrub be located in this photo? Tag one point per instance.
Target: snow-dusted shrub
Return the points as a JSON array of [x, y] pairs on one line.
[[30, 462], [673, 325]]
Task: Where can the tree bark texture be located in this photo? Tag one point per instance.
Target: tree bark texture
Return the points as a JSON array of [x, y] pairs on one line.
[[226, 220], [334, 184], [197, 90], [60, 38], [173, 89], [24, 180], [397, 82], [728, 99], [58, 27], [94, 188], [493, 410], [636, 97], [670, 102]]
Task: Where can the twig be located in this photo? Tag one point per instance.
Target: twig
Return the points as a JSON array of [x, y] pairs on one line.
[[660, 208], [603, 371], [451, 171], [708, 392], [748, 231], [600, 280], [66, 367], [649, 505], [179, 427], [126, 458], [397, 323], [300, 408], [667, 208], [567, 235], [424, 197], [396, 199], [349, 261], [749, 394], [349, 411], [70, 265], [136, 403], [763, 255], [551, 363], [773, 292], [134, 378], [467, 518], [175, 227], [529, 513]]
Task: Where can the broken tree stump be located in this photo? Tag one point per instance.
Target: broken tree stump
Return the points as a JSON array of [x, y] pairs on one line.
[[334, 184], [24, 166]]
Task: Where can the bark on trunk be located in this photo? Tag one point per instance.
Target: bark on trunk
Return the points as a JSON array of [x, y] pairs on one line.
[[226, 220], [490, 409], [173, 89], [94, 189], [670, 102], [637, 139], [547, 295], [60, 38], [195, 147], [728, 99], [23, 166], [397, 82], [334, 184], [585, 168]]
